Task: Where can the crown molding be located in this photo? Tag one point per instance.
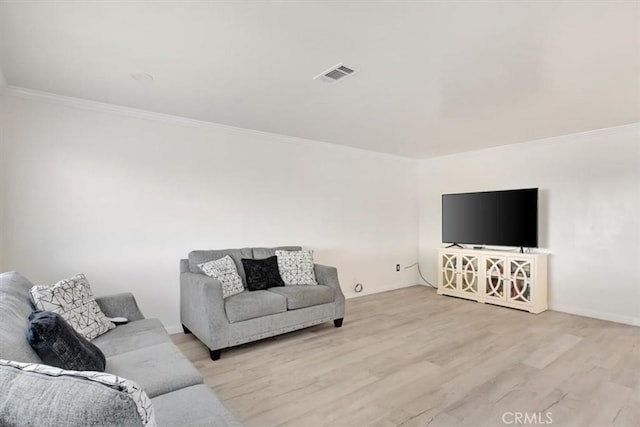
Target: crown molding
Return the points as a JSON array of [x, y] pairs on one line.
[[103, 107], [593, 133]]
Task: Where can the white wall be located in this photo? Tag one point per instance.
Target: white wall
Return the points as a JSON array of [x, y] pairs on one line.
[[589, 213], [2, 179], [3, 81], [122, 195], [122, 198]]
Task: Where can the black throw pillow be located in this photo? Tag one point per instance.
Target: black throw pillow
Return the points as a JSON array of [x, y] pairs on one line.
[[262, 273], [58, 344]]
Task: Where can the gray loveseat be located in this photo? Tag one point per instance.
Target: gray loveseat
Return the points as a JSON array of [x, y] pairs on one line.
[[140, 351], [249, 316]]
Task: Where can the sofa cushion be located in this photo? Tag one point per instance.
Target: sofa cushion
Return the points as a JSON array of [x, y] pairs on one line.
[[261, 253], [296, 267], [132, 336], [200, 257], [35, 395], [305, 295], [197, 404], [249, 305], [158, 369], [262, 273], [58, 344], [15, 308], [224, 270], [72, 299]]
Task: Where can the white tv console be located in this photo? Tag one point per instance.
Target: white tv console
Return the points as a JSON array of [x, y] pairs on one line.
[[509, 279]]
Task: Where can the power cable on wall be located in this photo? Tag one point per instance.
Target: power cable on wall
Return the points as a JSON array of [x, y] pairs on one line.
[[420, 273]]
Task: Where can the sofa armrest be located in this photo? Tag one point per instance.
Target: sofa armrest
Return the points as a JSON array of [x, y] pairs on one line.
[[326, 275], [120, 305], [202, 309]]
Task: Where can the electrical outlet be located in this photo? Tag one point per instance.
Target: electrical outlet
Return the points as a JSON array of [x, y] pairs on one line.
[[397, 267]]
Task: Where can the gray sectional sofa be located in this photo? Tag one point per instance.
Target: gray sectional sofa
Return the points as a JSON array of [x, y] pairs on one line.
[[248, 316], [140, 351]]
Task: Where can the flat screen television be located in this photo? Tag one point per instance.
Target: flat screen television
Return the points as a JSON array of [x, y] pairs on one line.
[[493, 218]]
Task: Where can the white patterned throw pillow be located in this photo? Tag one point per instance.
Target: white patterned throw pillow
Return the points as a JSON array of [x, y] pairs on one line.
[[73, 300], [128, 388], [296, 267], [224, 269]]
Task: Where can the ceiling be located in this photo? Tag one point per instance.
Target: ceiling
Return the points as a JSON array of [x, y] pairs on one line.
[[432, 78]]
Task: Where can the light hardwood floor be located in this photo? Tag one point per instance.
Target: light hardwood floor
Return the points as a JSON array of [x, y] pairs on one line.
[[412, 358]]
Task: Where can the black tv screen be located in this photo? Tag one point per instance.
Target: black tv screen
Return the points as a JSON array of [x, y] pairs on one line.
[[498, 218]]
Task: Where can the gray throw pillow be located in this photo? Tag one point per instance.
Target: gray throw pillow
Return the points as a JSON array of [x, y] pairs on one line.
[[36, 395], [58, 344]]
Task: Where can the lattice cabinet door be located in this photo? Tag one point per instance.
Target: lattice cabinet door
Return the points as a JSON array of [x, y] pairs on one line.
[[496, 277], [449, 270], [494, 286], [469, 274], [520, 279]]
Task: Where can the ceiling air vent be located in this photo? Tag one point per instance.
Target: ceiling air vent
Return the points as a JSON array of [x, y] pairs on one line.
[[335, 73]]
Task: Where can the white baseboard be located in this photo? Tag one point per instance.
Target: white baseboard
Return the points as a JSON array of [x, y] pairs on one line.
[[376, 290], [174, 329], [611, 317]]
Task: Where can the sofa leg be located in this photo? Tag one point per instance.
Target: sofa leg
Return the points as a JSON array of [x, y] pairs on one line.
[[186, 330], [337, 322], [215, 354]]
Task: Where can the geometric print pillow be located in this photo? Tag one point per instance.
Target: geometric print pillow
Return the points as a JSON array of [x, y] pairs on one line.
[[129, 389], [224, 269], [73, 300], [296, 267]]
